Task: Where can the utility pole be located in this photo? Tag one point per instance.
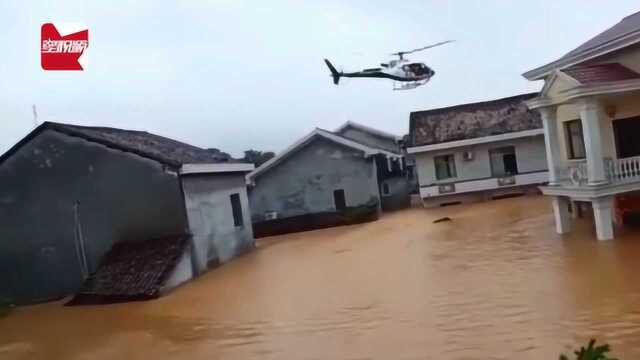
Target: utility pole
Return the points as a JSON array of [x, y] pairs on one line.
[[35, 116]]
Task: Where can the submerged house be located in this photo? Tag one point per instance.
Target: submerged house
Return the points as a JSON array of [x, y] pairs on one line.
[[118, 214], [327, 179], [590, 108], [477, 151]]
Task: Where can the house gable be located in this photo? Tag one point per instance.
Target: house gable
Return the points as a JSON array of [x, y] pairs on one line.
[[319, 133], [369, 136], [556, 83]]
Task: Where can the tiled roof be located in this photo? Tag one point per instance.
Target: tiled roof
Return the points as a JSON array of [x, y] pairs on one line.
[[601, 73], [146, 144], [473, 120], [626, 26], [133, 270], [623, 34], [159, 148]]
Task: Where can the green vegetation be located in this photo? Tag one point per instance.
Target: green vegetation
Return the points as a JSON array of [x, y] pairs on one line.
[[257, 157], [591, 352]]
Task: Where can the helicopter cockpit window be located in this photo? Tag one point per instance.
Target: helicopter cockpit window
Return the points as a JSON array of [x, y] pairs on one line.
[[416, 68]]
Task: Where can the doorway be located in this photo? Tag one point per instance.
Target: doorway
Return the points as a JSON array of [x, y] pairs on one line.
[[339, 199], [626, 134]]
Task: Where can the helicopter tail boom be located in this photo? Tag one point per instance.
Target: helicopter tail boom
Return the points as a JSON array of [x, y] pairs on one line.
[[334, 73]]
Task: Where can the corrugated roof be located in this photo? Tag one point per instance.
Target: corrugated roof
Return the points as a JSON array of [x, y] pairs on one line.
[[593, 74], [474, 120], [159, 148], [133, 270]]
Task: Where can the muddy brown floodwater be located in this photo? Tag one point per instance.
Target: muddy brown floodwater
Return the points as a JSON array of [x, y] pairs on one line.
[[494, 283]]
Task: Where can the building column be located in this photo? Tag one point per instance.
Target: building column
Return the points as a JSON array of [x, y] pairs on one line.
[[552, 142], [575, 210], [561, 214], [603, 217], [590, 113]]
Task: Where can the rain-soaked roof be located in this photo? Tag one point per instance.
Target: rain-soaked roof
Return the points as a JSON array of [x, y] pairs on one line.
[[474, 120]]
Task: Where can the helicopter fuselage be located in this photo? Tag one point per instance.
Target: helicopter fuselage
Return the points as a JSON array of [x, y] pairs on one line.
[[412, 74], [399, 72]]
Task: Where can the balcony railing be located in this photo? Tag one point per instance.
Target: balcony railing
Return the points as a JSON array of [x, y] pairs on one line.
[[623, 170]]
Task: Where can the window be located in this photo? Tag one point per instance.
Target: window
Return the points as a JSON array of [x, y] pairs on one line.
[[339, 200], [503, 161], [575, 141], [236, 208], [385, 189], [445, 166]]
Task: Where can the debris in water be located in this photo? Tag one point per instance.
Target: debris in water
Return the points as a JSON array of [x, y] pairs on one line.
[[446, 218]]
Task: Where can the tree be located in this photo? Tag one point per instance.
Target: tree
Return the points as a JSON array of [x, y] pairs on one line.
[[218, 155], [257, 157], [591, 352]]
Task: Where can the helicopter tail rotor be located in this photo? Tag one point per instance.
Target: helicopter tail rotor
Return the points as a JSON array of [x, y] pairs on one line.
[[334, 73]]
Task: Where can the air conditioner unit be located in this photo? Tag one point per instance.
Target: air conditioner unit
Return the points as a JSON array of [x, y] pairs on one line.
[[446, 188], [270, 215], [467, 156]]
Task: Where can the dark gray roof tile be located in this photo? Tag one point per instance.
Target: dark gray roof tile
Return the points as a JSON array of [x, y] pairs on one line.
[[133, 270], [473, 120]]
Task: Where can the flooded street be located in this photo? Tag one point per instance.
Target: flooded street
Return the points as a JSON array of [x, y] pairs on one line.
[[494, 283]]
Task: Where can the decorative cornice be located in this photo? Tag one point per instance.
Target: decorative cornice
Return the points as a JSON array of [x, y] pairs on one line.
[[474, 141], [583, 91]]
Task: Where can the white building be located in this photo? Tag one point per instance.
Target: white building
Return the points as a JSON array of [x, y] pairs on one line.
[[477, 151], [590, 107]]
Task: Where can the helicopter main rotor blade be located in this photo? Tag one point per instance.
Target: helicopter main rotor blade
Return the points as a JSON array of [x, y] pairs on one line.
[[400, 53]]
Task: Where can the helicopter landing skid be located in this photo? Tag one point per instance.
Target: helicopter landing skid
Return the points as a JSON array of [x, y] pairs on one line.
[[409, 85]]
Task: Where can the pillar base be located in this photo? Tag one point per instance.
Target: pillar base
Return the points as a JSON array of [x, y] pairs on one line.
[[603, 217], [561, 214]]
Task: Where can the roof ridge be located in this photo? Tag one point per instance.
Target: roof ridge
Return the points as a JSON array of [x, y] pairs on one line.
[[631, 15], [624, 33], [355, 141], [363, 127], [93, 127]]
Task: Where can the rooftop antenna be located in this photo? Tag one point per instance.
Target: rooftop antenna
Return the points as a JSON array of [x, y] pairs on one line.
[[35, 115]]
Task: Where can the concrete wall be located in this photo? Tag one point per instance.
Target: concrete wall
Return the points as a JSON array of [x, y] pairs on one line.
[[183, 272], [216, 239], [530, 155], [468, 198], [304, 182], [398, 196], [118, 196], [370, 139]]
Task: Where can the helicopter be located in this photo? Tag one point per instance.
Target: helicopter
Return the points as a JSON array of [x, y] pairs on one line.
[[410, 74]]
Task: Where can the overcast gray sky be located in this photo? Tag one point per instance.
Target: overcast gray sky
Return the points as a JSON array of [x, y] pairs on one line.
[[238, 74]]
